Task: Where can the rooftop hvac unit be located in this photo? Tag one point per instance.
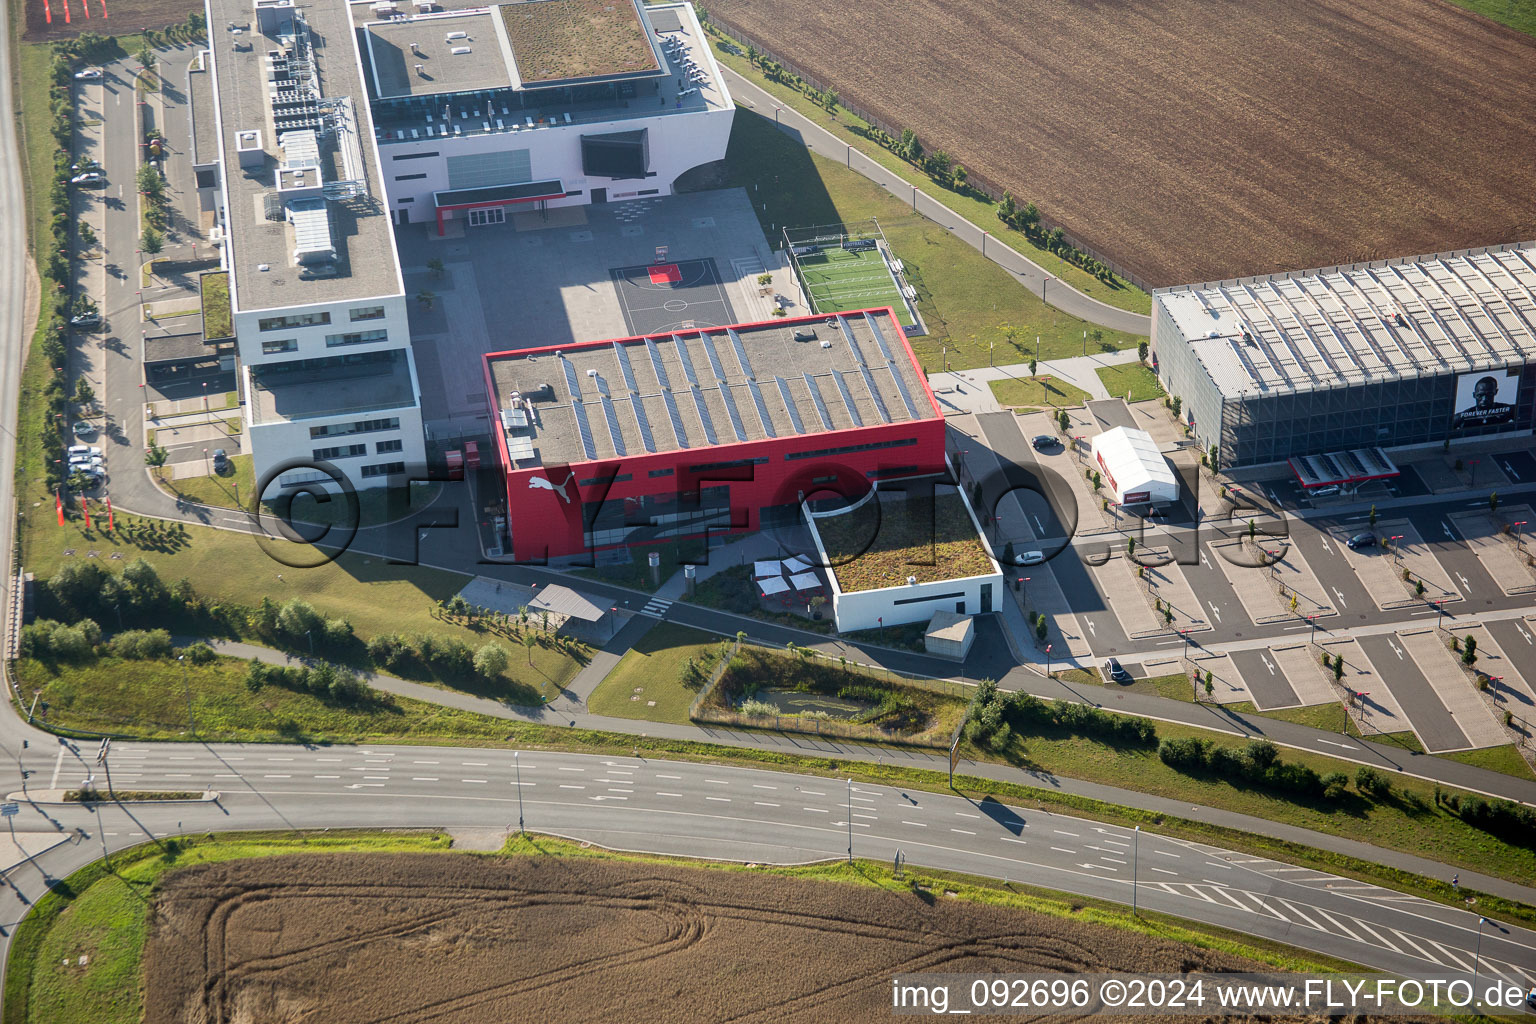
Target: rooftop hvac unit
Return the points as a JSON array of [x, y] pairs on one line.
[[421, 69], [591, 373], [451, 36], [459, 50]]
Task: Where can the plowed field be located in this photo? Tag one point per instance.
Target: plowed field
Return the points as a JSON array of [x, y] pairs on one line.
[[420, 937], [104, 17], [1195, 140]]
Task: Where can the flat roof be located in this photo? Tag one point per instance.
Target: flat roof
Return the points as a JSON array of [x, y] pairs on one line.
[[1316, 329], [697, 389], [417, 57], [200, 111], [304, 392], [1133, 459], [174, 348], [569, 41], [929, 538], [558, 600], [366, 265]]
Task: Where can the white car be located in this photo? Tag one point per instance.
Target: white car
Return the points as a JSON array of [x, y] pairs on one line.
[[84, 429], [83, 449], [88, 75], [1029, 558], [85, 460], [89, 178]]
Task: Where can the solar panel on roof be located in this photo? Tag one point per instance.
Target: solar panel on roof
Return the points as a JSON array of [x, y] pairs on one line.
[[646, 437], [714, 357], [821, 406], [869, 382], [661, 371], [762, 408], [677, 419], [734, 413], [874, 328], [625, 368], [789, 403], [853, 344], [704, 417], [741, 352], [901, 387], [572, 382], [682, 353], [614, 432], [584, 429], [853, 410]]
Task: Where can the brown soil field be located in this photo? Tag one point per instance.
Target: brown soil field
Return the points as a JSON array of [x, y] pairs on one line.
[[1195, 140], [413, 938], [107, 17]]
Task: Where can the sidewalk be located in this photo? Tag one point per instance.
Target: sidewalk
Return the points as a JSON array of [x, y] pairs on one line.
[[970, 390], [802, 745]]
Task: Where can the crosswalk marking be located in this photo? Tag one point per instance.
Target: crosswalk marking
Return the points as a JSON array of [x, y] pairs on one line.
[[656, 607]]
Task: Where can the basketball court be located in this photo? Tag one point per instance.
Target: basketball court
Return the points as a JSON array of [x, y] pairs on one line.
[[672, 296]]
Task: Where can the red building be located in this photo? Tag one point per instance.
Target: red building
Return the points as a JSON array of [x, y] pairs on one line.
[[629, 441]]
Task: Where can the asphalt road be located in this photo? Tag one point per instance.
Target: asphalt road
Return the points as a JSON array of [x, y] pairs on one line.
[[1265, 679], [745, 815], [1430, 717]]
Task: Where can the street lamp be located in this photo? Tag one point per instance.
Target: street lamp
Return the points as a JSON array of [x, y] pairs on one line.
[[1397, 548], [1047, 661], [1517, 526], [208, 468], [1441, 617], [1313, 619], [1135, 849], [1472, 476], [1024, 582], [516, 763], [1477, 957], [850, 821]]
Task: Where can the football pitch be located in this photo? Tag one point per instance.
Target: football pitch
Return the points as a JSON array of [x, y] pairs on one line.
[[838, 279]]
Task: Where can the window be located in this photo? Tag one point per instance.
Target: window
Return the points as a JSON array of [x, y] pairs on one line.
[[355, 338], [493, 215], [416, 156], [272, 348], [384, 468], [661, 472], [365, 313], [408, 177], [850, 448], [354, 427], [649, 192], [931, 597], [876, 474], [342, 451], [592, 481], [704, 467], [286, 323], [385, 447], [406, 199], [477, 170]]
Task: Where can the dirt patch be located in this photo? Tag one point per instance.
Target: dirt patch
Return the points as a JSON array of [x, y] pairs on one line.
[[1197, 140], [408, 937], [106, 17]]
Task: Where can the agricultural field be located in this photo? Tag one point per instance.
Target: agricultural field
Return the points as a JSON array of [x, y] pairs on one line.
[[1191, 140], [417, 935], [104, 17]]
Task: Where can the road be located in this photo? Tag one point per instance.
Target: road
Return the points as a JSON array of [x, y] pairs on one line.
[[1034, 277], [753, 815]]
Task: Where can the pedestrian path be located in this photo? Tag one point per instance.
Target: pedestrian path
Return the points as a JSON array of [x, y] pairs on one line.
[[971, 391]]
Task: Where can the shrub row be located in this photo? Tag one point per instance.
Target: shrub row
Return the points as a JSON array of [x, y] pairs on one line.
[[995, 716], [1258, 764], [324, 681], [447, 656], [1511, 822], [50, 640]]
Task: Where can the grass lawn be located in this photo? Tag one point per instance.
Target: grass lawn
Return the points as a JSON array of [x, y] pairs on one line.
[[883, 542], [1519, 15], [148, 699], [1504, 759], [966, 301], [1319, 716], [1037, 393], [217, 321], [1407, 739], [102, 916], [1394, 823], [218, 491], [1175, 686], [1131, 381], [970, 204], [652, 671]]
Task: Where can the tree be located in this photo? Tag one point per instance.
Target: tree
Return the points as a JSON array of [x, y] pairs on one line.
[[1041, 628], [298, 617], [830, 100], [1008, 552], [435, 265], [1130, 546], [940, 165], [490, 661], [84, 393], [1141, 351], [149, 181], [1493, 502], [145, 56], [1372, 516], [155, 456], [753, 54], [1210, 685], [1032, 366], [87, 235], [426, 298], [152, 241], [1469, 651], [1029, 217], [1064, 420], [1006, 209], [960, 177], [528, 642]]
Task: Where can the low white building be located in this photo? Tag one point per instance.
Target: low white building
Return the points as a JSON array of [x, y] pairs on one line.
[[1134, 468]]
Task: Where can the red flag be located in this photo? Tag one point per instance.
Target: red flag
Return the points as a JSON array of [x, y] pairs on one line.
[[109, 514], [58, 506], [85, 507]]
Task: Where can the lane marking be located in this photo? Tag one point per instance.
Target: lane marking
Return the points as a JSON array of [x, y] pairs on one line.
[[1165, 871], [675, 778], [1060, 849], [722, 799], [424, 778], [564, 785], [962, 831], [919, 824], [815, 810], [762, 803], [659, 793], [477, 781]]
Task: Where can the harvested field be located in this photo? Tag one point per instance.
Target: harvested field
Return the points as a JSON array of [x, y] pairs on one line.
[[1194, 140], [104, 17], [424, 937]]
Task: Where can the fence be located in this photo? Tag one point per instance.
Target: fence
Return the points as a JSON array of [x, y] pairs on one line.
[[975, 182]]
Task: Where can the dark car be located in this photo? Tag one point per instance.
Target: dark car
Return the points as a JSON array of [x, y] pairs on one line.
[[220, 460], [1045, 443], [1116, 671], [1362, 540]]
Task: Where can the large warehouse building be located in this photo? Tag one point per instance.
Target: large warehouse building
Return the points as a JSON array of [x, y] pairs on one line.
[[607, 444], [1358, 357]]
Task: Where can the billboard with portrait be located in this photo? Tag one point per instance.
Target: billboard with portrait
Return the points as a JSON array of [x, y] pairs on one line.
[[1486, 398]]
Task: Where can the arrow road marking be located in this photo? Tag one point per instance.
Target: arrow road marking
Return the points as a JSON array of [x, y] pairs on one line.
[[1464, 584], [1214, 612], [1395, 649], [1340, 596], [1267, 664]]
